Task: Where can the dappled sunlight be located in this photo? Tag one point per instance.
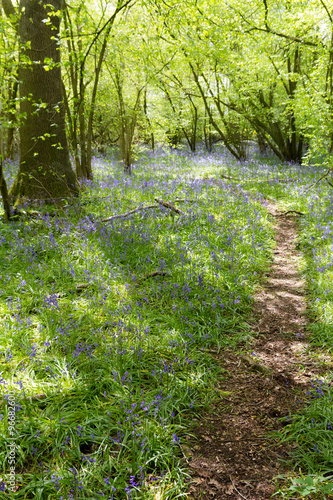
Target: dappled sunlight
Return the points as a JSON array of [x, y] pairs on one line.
[[108, 323]]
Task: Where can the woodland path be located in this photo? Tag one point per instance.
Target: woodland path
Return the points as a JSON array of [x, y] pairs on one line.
[[231, 458]]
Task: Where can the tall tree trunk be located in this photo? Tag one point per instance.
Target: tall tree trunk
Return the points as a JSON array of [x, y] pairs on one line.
[[93, 101], [82, 170], [4, 192], [145, 110], [207, 133], [12, 94], [45, 171], [73, 74], [3, 185], [71, 120], [194, 126], [212, 121]]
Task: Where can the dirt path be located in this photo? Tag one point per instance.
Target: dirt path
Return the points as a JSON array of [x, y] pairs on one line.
[[231, 458]]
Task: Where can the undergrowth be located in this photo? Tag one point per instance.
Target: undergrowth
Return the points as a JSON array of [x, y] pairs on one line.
[[106, 325]]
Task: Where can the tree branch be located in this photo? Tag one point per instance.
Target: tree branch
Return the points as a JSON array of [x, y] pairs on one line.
[[320, 179], [268, 29], [327, 11], [168, 205], [109, 24], [165, 204], [131, 212], [10, 12]]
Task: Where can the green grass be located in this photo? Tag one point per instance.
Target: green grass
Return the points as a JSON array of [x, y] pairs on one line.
[[108, 363], [106, 328]]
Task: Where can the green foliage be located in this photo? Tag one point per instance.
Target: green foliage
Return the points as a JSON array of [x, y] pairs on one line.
[[171, 70], [106, 326], [319, 487], [112, 348]]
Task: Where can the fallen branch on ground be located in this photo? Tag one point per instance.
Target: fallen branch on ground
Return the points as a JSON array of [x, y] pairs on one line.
[[80, 287], [165, 204], [121, 216], [283, 180], [320, 179], [168, 205], [269, 180], [290, 212], [255, 181], [229, 178], [254, 365]]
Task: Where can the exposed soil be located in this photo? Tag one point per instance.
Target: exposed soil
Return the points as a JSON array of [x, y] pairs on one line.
[[232, 456]]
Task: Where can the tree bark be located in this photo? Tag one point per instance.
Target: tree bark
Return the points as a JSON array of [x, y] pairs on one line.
[[4, 192], [45, 170], [3, 185], [12, 94]]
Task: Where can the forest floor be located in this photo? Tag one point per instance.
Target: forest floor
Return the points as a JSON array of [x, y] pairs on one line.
[[176, 349], [233, 455]]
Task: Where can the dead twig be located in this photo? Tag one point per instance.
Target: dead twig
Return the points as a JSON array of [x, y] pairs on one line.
[[186, 459], [81, 286], [290, 212], [210, 351], [239, 493], [320, 179], [165, 204], [168, 205], [38, 397], [254, 365], [131, 212], [229, 178], [264, 181]]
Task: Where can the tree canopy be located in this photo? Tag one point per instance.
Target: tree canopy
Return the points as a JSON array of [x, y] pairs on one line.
[[149, 71]]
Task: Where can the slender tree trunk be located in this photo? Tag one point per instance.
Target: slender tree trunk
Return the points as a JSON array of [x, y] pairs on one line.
[[207, 133], [213, 122], [73, 77], [45, 170], [3, 185], [12, 94], [77, 71], [72, 131], [177, 114], [194, 127], [145, 110], [82, 172], [4, 192], [93, 101], [127, 122]]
